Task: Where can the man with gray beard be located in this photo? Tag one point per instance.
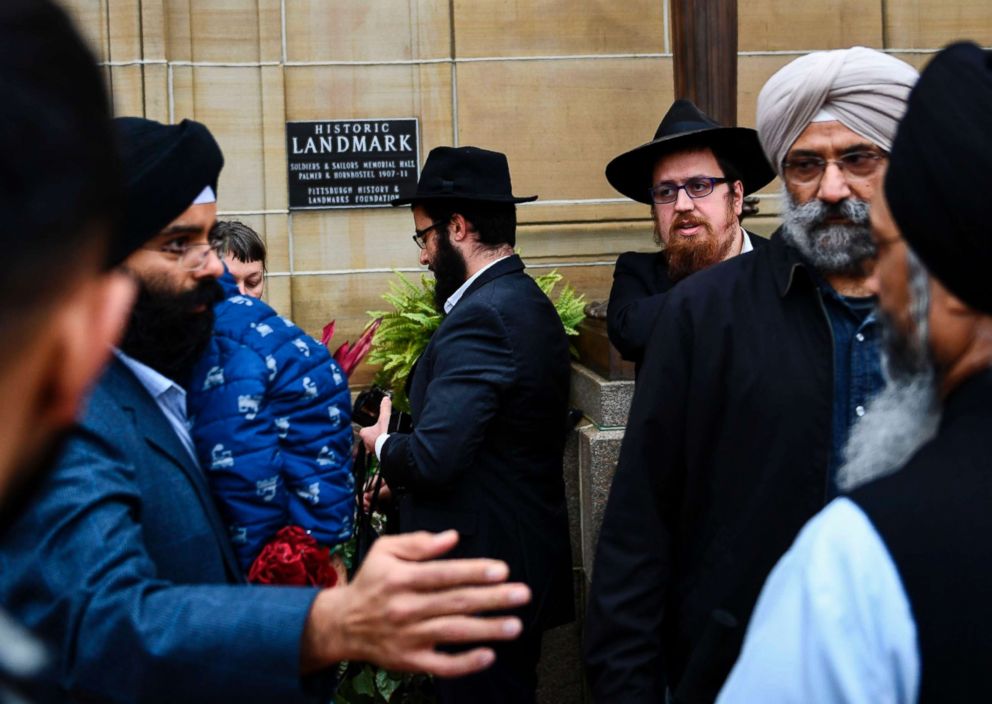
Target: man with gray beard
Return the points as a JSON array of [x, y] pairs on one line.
[[883, 597], [754, 373]]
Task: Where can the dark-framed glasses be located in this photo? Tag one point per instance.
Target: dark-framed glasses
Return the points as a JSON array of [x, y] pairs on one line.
[[808, 170], [420, 236], [192, 257], [698, 187]]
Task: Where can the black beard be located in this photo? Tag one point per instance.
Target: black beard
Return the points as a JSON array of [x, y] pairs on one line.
[[449, 268], [164, 331], [30, 481]]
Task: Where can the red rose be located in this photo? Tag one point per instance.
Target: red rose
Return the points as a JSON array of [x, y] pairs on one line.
[[293, 558]]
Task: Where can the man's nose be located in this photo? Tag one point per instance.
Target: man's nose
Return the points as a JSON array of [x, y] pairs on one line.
[[213, 267], [833, 185], [424, 259], [683, 203]]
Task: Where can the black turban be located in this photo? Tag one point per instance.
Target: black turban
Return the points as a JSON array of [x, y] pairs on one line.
[[939, 181], [165, 168]]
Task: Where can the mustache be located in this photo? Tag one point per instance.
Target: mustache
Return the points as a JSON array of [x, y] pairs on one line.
[[206, 293], [169, 330], [815, 213], [690, 220]]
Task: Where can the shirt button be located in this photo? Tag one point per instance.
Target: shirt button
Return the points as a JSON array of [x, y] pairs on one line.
[[859, 337], [859, 411]]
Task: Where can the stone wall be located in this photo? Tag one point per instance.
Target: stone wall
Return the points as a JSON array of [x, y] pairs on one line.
[[561, 86]]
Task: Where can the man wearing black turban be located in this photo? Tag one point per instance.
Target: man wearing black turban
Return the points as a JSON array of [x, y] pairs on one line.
[[123, 564], [884, 596]]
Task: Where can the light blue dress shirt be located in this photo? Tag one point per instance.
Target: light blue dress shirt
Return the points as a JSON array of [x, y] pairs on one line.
[[169, 396], [833, 623]]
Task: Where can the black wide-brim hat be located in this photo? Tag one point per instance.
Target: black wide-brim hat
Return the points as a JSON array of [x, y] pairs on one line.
[[165, 168], [464, 173], [685, 126]]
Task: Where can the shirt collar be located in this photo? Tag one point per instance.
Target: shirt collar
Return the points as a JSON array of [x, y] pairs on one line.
[[154, 382], [746, 245], [457, 295]]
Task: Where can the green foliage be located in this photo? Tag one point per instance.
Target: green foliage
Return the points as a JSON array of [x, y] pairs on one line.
[[370, 685], [406, 330], [569, 304], [404, 333]]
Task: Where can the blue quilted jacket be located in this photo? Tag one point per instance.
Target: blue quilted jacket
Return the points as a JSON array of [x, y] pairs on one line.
[[271, 421]]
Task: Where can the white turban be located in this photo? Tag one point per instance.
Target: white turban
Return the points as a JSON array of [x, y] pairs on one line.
[[865, 90]]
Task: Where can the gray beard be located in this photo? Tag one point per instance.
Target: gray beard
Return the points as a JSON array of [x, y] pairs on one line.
[[905, 415], [830, 249], [897, 422]]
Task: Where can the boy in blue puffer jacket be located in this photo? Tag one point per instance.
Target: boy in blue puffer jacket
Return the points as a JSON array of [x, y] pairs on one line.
[[271, 421]]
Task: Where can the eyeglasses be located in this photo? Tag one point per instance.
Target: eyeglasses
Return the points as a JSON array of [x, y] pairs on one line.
[[699, 187], [192, 257], [808, 170], [420, 236]]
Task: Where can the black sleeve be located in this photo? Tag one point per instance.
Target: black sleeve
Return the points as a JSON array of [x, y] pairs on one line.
[[633, 565], [633, 306]]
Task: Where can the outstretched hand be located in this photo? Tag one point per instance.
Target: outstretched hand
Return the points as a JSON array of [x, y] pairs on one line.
[[402, 604]]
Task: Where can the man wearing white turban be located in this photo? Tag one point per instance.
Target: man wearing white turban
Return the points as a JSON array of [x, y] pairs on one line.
[[753, 375], [884, 595]]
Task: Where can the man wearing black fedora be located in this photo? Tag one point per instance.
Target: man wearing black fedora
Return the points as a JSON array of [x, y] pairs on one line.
[[489, 399], [694, 174]]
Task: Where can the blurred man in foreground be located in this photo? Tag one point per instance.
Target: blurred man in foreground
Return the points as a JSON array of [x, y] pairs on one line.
[[60, 308]]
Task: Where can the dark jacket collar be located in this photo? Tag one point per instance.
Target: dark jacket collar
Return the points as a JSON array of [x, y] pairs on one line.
[[972, 397], [511, 264], [786, 261], [132, 396]]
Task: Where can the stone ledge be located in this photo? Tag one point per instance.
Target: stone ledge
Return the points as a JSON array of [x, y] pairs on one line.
[[606, 403], [599, 451]]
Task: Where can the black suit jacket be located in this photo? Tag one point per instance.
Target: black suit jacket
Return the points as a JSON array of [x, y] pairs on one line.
[[489, 397], [640, 282]]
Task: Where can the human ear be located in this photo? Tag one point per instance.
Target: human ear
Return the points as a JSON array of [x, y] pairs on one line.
[[86, 326], [459, 227], [738, 190]]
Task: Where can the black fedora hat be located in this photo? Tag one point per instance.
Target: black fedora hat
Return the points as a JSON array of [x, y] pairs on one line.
[[685, 125], [467, 173]]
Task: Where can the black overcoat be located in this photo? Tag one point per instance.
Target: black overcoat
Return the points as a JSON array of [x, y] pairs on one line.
[[724, 459], [489, 398], [640, 282], [934, 517]]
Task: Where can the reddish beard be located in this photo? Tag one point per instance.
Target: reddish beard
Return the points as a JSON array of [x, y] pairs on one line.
[[687, 255]]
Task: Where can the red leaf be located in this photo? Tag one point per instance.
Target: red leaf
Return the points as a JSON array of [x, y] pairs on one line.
[[328, 333]]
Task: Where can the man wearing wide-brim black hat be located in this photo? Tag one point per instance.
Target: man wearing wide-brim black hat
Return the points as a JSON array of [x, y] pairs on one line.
[[694, 174], [488, 398]]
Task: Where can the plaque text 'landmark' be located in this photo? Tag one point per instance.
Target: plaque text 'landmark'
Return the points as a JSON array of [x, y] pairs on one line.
[[351, 163]]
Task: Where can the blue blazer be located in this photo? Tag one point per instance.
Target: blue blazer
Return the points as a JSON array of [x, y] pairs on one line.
[[489, 397], [123, 566]]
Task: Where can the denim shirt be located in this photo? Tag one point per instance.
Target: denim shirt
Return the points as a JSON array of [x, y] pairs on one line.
[[857, 368]]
